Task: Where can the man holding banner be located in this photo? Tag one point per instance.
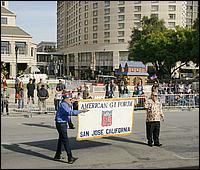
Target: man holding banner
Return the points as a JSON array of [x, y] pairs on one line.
[[154, 114], [62, 119]]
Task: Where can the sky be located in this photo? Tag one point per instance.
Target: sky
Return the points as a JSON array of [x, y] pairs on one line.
[[37, 18]]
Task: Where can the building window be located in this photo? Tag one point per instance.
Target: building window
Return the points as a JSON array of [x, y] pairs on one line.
[[106, 26], [86, 22], [86, 37], [106, 11], [171, 24], [85, 29], [107, 19], [86, 15], [86, 7], [121, 9], [120, 40], [172, 7], [21, 47], [120, 25], [85, 42], [95, 5], [172, 16], [3, 3], [121, 17], [137, 8], [121, 2], [154, 1], [95, 20], [120, 33], [106, 34], [137, 17], [137, 24], [4, 20], [137, 2], [32, 49], [94, 41], [94, 35], [107, 41], [154, 15], [95, 28], [106, 3], [4, 47], [154, 7], [95, 13], [172, 1]]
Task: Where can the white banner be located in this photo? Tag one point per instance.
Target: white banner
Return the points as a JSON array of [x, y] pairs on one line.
[[106, 117]]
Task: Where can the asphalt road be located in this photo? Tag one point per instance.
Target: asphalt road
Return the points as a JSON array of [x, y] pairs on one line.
[[28, 143]]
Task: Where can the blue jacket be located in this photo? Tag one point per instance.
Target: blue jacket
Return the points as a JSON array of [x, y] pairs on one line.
[[64, 111]]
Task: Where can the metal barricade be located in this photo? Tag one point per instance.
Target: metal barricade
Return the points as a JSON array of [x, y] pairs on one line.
[[182, 101]]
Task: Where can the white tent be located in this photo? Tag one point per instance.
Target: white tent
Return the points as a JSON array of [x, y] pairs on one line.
[[31, 70]]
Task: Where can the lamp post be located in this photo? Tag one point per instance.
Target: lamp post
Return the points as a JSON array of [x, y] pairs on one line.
[[16, 82], [16, 50]]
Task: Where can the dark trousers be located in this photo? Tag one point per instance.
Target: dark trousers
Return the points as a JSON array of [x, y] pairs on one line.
[[152, 131], [63, 139], [4, 103], [57, 103]]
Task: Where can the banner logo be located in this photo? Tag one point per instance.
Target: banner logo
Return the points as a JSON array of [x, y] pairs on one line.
[[106, 118]]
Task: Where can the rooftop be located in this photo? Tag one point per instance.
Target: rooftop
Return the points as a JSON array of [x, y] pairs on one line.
[[133, 64], [13, 30], [6, 11]]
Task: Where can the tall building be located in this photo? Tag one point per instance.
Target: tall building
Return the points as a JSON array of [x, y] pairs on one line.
[[49, 61], [46, 46], [11, 37], [95, 34]]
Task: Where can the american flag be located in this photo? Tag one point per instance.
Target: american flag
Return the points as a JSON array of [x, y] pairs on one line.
[[153, 77]]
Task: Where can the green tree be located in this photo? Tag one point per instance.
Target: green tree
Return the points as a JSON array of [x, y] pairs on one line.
[[165, 47], [148, 25]]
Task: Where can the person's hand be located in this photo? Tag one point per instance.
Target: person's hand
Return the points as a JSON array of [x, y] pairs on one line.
[[84, 110]]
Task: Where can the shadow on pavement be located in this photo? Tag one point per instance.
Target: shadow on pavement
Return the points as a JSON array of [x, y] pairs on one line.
[[126, 140], [51, 145], [19, 149], [39, 125]]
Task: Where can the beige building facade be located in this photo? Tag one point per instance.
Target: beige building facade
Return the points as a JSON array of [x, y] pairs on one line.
[[95, 34], [11, 37]]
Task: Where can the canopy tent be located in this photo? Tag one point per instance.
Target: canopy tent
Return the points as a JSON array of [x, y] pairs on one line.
[[31, 70]]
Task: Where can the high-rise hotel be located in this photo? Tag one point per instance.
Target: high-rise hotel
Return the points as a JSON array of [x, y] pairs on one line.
[[94, 34]]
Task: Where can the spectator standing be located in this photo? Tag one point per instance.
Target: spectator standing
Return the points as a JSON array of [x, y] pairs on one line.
[[155, 87], [39, 85], [4, 100], [58, 96], [139, 89], [121, 88], [43, 95], [86, 93], [30, 90], [110, 88], [21, 95], [16, 88]]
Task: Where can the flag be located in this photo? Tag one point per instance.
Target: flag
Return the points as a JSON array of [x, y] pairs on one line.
[[153, 77]]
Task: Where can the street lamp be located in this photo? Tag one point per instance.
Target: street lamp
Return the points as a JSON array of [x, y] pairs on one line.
[[16, 50], [16, 82]]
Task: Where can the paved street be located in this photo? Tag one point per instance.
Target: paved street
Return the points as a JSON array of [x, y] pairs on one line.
[[31, 143]]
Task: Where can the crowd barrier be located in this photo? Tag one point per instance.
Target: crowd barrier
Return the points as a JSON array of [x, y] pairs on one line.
[[181, 101]]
